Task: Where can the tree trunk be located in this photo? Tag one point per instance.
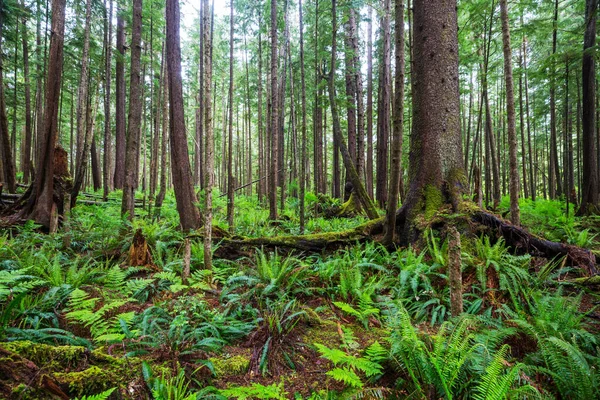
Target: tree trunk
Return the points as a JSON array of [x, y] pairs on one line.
[[135, 114], [230, 183], [209, 139], [515, 216], [42, 202], [303, 155], [383, 109], [589, 198], [8, 166], [396, 161], [369, 163], [358, 187], [553, 172], [107, 178], [436, 168], [198, 144], [26, 150], [529, 146], [274, 131], [189, 216], [120, 137]]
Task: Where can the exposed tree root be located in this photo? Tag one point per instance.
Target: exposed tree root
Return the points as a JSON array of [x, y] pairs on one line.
[[515, 237]]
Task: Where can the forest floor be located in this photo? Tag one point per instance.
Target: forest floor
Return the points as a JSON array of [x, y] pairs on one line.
[[77, 319]]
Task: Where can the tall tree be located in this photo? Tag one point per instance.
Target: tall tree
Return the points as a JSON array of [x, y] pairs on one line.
[[42, 203], [589, 198], [209, 139], [554, 183], [515, 216], [383, 108], [6, 161], [436, 177], [358, 187], [303, 155], [106, 177], [120, 136], [230, 184], [132, 149], [369, 162], [273, 131], [26, 150], [189, 216], [396, 159]]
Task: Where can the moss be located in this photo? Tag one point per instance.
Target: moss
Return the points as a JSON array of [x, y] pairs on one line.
[[88, 381], [433, 200], [325, 333], [48, 356], [231, 365]]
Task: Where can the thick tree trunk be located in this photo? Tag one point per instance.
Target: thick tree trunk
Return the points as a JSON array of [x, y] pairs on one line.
[[589, 198], [396, 161], [515, 216], [41, 204], [436, 169], [189, 216], [120, 137], [132, 150]]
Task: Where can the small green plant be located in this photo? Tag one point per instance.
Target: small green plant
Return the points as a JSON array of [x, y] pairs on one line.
[[100, 396], [275, 391]]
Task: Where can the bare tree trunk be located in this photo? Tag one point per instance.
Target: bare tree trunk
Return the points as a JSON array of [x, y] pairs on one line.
[[359, 189], [82, 99], [515, 216], [303, 155], [6, 160], [261, 145], [120, 137], [529, 148], [189, 216], [554, 174], [208, 129], [369, 164], [274, 131], [107, 177], [383, 109], [26, 151], [230, 183], [132, 150], [164, 140], [589, 198], [198, 148], [41, 202], [396, 159]]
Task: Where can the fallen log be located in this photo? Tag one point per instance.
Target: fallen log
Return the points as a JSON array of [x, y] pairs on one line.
[[525, 242]]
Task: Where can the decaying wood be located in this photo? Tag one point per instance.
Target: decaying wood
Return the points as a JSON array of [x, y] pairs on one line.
[[455, 271], [139, 253]]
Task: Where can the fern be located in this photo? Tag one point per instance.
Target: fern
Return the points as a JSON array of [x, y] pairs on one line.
[[256, 391], [100, 396], [494, 384], [103, 327], [348, 366], [365, 310]]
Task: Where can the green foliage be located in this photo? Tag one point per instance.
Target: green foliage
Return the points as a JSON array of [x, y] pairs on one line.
[[100, 396], [275, 391], [347, 367]]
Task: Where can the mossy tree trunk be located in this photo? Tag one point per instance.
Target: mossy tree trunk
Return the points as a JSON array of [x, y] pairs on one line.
[[436, 171]]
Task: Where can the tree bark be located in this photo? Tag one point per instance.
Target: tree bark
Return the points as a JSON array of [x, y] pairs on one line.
[[134, 118], [189, 216], [230, 183], [209, 139], [274, 131], [589, 198], [8, 166], [26, 151], [358, 187], [515, 216], [396, 161], [107, 177], [303, 155], [120, 137], [383, 109]]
